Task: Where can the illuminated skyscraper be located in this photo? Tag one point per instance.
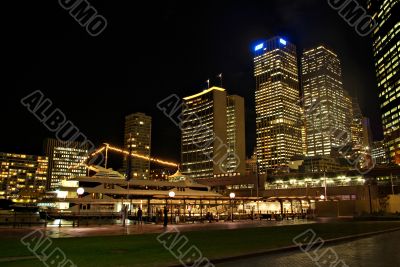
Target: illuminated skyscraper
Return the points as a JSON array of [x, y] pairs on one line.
[[204, 133], [386, 48], [65, 161], [367, 132], [378, 152], [213, 142], [278, 118], [22, 176], [361, 135], [327, 106], [137, 139], [236, 160], [357, 135]]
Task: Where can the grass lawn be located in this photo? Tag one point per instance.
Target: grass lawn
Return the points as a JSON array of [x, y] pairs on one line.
[[145, 250]]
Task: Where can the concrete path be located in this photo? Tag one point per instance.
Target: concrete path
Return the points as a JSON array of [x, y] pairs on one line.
[[378, 250], [107, 230]]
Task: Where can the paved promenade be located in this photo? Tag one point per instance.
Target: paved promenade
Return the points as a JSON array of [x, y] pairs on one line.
[[379, 250], [107, 230]]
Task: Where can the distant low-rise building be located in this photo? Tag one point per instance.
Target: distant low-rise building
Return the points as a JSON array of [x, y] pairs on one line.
[[321, 164]]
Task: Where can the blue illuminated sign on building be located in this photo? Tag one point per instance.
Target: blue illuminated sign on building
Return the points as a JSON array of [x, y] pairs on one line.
[[282, 41], [258, 47]]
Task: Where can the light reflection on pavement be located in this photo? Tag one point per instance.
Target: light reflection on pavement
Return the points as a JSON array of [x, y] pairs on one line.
[[63, 232], [375, 251]]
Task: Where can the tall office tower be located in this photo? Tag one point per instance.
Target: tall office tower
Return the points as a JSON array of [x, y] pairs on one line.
[[278, 124], [22, 176], [348, 106], [361, 135], [303, 131], [204, 133], [357, 132], [386, 48], [213, 136], [326, 105], [137, 139], [378, 152], [251, 163], [367, 133], [236, 160], [65, 161]]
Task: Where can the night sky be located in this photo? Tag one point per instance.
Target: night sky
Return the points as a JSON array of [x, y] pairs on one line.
[[151, 50]]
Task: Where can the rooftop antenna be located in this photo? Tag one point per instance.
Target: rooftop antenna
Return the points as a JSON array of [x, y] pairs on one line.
[[220, 79]]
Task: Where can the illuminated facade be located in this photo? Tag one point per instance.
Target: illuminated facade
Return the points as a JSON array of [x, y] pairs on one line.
[[65, 161], [137, 138], [303, 131], [320, 164], [22, 176], [213, 141], [235, 135], [361, 134], [251, 164], [278, 118], [326, 105], [349, 113], [378, 152], [357, 127], [386, 48], [204, 133]]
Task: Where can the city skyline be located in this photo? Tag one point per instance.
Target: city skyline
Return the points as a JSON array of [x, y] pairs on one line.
[[175, 79], [202, 133]]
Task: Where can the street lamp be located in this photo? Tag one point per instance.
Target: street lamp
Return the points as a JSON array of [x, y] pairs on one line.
[[232, 196], [322, 197], [80, 192], [171, 194], [325, 185]]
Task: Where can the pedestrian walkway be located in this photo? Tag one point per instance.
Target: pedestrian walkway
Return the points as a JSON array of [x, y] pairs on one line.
[[65, 232], [379, 250]]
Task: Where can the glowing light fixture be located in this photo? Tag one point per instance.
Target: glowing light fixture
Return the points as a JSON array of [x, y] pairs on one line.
[[80, 191]]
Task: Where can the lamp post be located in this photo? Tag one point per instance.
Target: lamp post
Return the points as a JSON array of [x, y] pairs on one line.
[[171, 195], [80, 192], [325, 196], [232, 196]]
